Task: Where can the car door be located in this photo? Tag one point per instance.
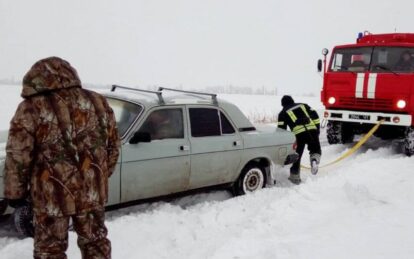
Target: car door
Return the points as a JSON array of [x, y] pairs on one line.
[[216, 147], [161, 166], [126, 113]]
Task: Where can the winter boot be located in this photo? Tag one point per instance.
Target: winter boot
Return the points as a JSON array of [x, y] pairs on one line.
[[314, 167], [314, 161], [295, 178]]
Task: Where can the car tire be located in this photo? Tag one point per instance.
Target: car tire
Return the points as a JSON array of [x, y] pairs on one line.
[[23, 221], [251, 179]]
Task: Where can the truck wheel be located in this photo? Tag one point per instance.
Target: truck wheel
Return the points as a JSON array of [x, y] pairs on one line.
[[333, 132], [409, 141], [339, 132], [23, 220], [252, 178]]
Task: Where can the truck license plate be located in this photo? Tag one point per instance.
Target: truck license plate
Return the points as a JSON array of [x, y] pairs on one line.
[[359, 117]]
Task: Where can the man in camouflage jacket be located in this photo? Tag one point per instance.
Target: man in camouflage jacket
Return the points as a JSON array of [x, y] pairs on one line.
[[63, 145]]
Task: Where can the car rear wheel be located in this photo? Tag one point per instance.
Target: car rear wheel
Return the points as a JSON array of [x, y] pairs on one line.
[[23, 220], [252, 178]]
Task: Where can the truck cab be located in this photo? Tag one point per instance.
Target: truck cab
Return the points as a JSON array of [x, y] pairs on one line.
[[369, 81]]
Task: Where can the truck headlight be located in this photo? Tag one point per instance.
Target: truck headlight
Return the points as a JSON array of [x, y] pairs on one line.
[[331, 100], [401, 104]]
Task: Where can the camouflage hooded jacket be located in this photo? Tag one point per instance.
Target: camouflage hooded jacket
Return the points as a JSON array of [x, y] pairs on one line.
[[63, 143]]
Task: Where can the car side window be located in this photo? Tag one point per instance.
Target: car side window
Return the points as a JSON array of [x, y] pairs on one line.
[[164, 124], [206, 122], [226, 126]]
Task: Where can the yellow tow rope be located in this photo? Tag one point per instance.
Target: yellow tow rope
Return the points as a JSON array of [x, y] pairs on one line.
[[354, 148]]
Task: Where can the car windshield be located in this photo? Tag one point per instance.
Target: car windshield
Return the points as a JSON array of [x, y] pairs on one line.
[[373, 59], [125, 113]]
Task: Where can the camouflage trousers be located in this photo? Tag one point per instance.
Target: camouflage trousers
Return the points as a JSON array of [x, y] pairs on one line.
[[51, 235]]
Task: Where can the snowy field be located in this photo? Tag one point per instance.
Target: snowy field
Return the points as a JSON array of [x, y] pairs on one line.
[[360, 208]]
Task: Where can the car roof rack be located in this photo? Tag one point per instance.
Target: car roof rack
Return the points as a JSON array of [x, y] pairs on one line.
[[213, 96], [158, 93]]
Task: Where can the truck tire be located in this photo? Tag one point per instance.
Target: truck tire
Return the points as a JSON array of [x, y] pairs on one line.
[[339, 132], [23, 220], [409, 141], [333, 132], [252, 178]]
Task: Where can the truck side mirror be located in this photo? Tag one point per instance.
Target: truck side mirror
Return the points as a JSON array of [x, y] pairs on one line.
[[140, 137], [320, 65]]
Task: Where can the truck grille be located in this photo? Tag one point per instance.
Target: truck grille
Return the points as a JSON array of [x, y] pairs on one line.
[[378, 104]]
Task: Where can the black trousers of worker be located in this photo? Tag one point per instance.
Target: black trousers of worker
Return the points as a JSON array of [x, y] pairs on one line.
[[310, 138]]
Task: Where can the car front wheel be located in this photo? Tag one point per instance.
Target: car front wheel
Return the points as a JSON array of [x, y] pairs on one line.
[[252, 178]]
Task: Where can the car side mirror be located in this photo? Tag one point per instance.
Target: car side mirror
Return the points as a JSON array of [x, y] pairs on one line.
[[140, 137], [320, 65]]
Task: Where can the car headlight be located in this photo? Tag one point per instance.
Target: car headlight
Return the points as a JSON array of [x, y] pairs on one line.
[[331, 100]]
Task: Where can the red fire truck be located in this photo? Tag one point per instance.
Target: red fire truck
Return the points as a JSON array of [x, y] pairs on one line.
[[369, 81]]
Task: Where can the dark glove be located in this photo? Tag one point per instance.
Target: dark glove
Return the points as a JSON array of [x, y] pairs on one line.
[[17, 203]]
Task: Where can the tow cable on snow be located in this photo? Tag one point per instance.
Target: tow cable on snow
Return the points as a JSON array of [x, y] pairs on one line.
[[354, 148]]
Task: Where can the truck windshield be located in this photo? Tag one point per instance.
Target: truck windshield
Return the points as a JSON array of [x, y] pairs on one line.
[[373, 59]]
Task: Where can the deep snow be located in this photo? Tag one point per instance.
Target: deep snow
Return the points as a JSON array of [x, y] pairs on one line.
[[360, 208]]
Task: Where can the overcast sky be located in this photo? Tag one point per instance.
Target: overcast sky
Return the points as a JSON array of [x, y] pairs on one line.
[[190, 43]]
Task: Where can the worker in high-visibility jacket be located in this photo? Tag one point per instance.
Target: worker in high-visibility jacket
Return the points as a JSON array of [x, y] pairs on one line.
[[304, 122]]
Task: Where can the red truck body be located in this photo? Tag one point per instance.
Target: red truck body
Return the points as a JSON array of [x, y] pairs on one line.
[[368, 81]]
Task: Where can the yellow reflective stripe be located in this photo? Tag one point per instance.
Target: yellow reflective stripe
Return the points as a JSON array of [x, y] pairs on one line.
[[298, 129], [304, 110], [302, 128], [281, 123], [310, 126], [292, 116], [312, 122]]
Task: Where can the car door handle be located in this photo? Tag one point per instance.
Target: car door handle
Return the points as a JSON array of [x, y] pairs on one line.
[[237, 143], [184, 148]]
